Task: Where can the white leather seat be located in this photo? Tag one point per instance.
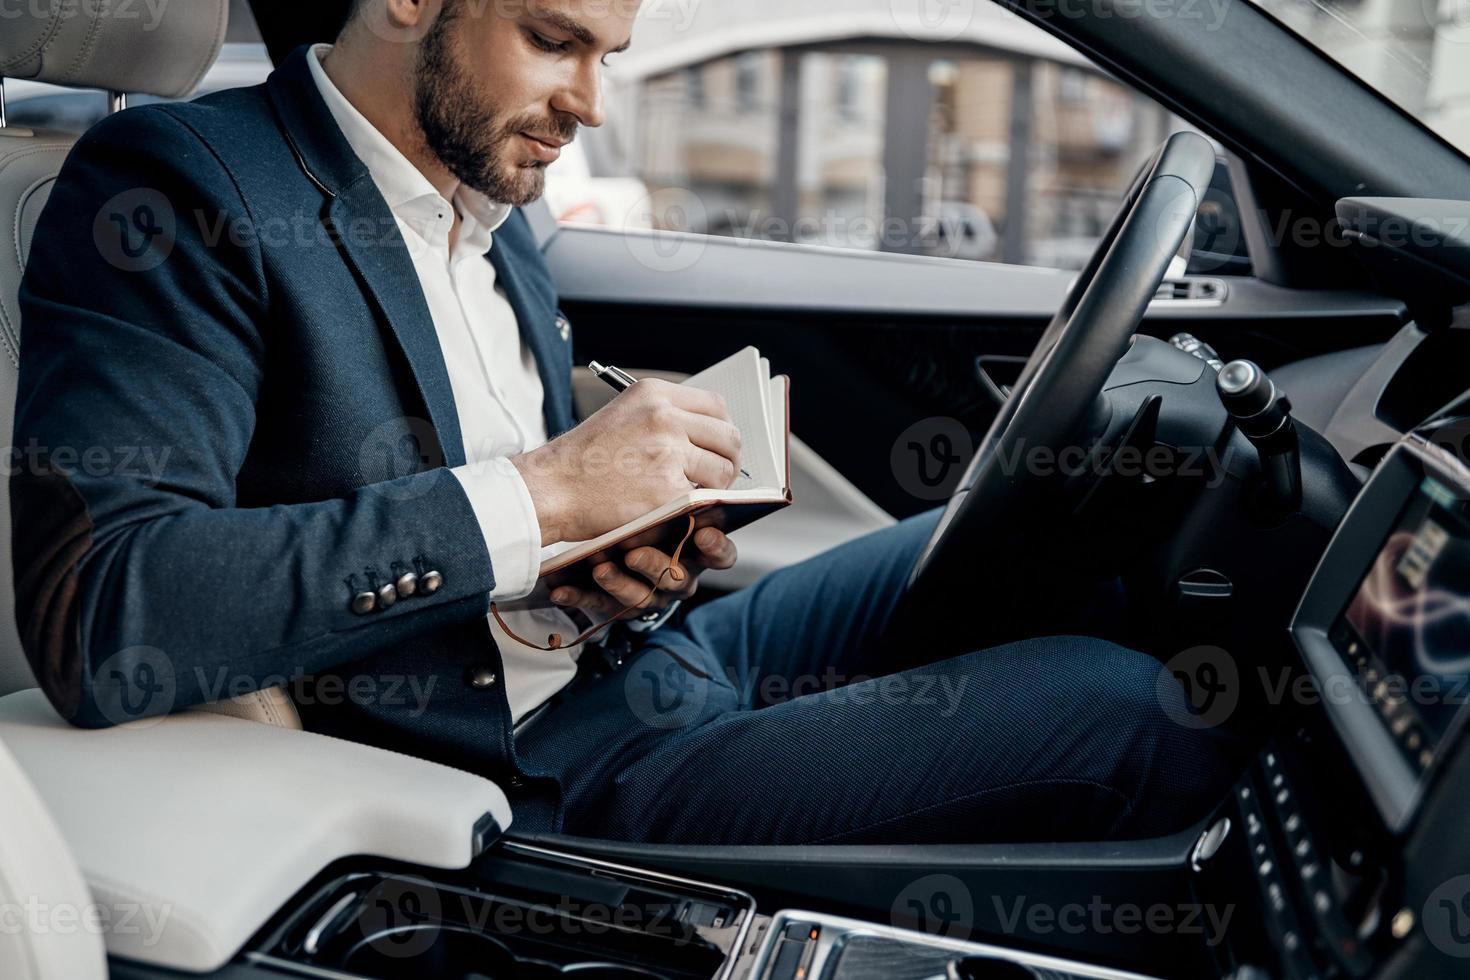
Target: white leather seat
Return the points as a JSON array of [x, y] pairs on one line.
[[107, 46], [43, 896]]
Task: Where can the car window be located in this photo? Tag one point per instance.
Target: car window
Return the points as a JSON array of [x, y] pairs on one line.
[[1414, 52], [962, 131]]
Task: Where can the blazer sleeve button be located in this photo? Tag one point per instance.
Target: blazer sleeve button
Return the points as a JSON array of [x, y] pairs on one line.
[[364, 603], [406, 585], [387, 595], [430, 582]]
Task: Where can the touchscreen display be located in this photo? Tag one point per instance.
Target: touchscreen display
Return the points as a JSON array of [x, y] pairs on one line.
[[1406, 632]]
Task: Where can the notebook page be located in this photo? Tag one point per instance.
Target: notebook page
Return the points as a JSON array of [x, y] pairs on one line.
[[738, 379]]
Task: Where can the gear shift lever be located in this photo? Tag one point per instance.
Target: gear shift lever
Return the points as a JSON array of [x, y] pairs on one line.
[[1263, 416]]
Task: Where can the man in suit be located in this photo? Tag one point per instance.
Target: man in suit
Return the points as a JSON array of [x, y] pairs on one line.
[[315, 305]]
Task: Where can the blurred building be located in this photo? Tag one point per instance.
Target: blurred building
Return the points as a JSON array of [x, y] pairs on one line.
[[942, 127]]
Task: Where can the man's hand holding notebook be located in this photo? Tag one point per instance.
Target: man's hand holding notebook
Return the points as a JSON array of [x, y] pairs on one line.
[[757, 405]]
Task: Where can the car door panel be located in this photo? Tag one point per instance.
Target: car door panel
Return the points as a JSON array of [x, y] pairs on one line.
[[882, 348]]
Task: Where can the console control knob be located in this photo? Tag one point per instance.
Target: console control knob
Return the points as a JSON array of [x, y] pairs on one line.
[[1263, 416], [1251, 398]]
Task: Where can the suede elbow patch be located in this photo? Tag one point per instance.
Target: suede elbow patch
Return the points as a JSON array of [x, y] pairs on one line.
[[51, 531]]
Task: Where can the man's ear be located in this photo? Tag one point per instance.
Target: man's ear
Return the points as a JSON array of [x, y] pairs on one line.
[[396, 21]]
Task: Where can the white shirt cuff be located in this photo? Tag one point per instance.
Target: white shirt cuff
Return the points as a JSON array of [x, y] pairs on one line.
[[507, 518]]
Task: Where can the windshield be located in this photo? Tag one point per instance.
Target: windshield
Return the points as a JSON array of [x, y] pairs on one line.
[[1414, 52]]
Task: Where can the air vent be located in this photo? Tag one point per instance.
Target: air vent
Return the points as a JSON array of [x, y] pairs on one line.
[[1191, 288]]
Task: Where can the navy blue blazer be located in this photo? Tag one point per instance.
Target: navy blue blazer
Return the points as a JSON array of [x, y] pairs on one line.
[[234, 416]]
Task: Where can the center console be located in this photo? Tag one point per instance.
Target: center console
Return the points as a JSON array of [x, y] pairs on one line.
[[530, 912]]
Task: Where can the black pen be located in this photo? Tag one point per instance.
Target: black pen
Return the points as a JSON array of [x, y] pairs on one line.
[[620, 380]]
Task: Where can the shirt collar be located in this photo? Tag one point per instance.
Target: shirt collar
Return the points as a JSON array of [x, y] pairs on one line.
[[408, 193]]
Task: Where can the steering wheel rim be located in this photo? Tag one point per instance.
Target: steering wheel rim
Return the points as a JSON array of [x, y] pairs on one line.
[[995, 500]]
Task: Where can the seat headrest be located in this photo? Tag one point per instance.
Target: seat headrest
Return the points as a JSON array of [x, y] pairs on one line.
[[160, 48]]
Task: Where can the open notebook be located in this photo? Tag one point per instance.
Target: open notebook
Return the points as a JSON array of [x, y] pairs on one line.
[[759, 408]]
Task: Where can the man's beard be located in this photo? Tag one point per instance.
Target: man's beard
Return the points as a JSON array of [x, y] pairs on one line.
[[468, 140]]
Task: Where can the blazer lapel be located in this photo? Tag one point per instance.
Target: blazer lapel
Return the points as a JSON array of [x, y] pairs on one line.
[[380, 257], [386, 268]]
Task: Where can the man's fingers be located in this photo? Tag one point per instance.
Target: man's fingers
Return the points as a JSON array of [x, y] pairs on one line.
[[706, 469], [716, 550], [698, 401], [657, 568], [627, 589], [720, 438], [589, 599]]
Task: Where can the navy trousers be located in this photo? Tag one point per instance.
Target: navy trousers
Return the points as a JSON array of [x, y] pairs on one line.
[[781, 714]]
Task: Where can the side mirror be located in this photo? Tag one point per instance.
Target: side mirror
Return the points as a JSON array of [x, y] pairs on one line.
[[1218, 247]]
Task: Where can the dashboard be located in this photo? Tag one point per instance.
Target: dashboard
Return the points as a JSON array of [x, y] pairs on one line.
[[1353, 846], [1385, 624]]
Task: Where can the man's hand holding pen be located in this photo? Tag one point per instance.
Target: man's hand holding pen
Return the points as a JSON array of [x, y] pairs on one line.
[[652, 443]]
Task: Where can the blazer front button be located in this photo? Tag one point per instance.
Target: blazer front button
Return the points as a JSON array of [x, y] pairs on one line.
[[364, 603], [482, 678], [387, 595], [407, 585], [430, 583]]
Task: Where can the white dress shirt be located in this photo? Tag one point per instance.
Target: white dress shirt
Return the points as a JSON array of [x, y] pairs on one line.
[[497, 390]]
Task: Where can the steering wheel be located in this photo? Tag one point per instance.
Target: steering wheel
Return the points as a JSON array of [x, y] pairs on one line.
[[999, 503]]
